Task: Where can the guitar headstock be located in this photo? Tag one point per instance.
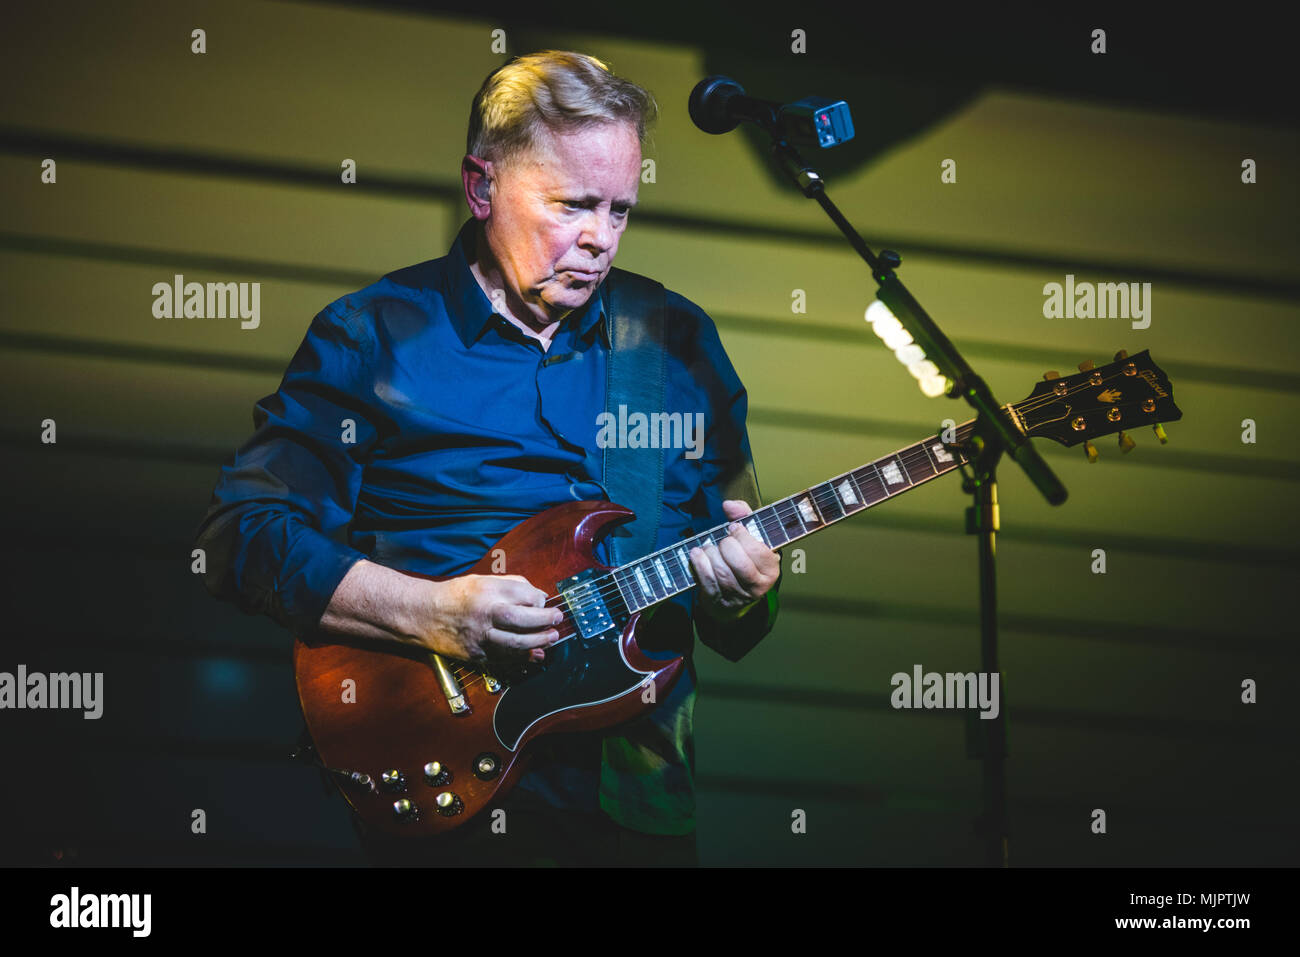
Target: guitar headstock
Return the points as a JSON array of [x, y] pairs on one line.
[[1130, 392]]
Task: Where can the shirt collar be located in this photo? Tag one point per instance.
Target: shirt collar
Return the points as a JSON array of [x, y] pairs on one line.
[[471, 311]]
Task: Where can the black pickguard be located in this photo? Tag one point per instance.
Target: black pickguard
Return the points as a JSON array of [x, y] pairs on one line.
[[578, 672]]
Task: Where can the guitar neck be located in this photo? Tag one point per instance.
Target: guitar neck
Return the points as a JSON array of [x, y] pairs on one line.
[[667, 572]]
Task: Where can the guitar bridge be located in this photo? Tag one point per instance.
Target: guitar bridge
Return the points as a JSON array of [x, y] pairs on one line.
[[451, 689]]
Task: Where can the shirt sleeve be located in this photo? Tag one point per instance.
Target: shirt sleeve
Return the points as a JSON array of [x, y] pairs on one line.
[[274, 535], [727, 473]]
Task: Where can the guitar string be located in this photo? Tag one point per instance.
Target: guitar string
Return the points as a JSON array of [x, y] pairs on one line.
[[470, 678], [606, 592], [908, 456], [914, 455], [822, 496], [618, 580], [612, 583]]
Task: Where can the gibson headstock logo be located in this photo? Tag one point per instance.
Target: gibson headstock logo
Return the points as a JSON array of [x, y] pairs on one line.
[[1109, 395], [1149, 378]]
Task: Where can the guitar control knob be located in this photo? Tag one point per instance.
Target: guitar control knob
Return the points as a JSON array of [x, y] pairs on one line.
[[486, 766], [449, 805], [405, 810], [393, 781], [435, 775]]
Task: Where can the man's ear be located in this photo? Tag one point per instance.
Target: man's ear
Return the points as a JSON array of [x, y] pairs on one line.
[[476, 175]]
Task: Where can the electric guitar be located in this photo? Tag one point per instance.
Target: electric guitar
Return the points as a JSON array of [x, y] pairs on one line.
[[419, 745]]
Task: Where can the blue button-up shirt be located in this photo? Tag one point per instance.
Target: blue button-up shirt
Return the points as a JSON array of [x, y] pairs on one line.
[[415, 427]]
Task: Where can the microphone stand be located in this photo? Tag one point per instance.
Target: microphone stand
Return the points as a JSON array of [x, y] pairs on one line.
[[994, 435]]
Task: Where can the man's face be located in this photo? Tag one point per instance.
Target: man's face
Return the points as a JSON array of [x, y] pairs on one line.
[[557, 214]]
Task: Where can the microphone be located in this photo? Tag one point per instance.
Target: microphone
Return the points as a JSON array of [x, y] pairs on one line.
[[718, 104]]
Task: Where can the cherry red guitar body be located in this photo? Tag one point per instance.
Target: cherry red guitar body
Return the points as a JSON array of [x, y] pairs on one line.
[[407, 761]]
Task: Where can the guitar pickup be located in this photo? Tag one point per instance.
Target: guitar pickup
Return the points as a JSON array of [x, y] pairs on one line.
[[586, 605]]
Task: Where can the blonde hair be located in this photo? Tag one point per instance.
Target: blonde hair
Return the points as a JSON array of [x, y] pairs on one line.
[[554, 90]]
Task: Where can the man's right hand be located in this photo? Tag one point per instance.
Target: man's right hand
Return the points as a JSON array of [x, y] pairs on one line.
[[473, 617], [480, 617]]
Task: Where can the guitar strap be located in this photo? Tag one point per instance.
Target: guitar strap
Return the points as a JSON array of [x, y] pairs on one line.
[[635, 380]]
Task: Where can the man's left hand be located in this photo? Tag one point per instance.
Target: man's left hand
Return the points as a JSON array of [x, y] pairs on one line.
[[737, 572]]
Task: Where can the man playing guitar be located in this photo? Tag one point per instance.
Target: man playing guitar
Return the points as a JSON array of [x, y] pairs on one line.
[[425, 416]]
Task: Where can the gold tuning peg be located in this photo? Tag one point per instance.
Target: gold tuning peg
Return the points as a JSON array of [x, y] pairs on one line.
[[1090, 450], [1122, 354], [1160, 433], [1051, 374], [1126, 444], [1086, 365]]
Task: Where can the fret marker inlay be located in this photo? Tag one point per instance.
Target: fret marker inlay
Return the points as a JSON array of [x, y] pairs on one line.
[[891, 473], [807, 511], [663, 574], [846, 493], [940, 453]]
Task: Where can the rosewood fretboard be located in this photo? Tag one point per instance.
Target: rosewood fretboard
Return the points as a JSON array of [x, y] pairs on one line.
[[667, 572]]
